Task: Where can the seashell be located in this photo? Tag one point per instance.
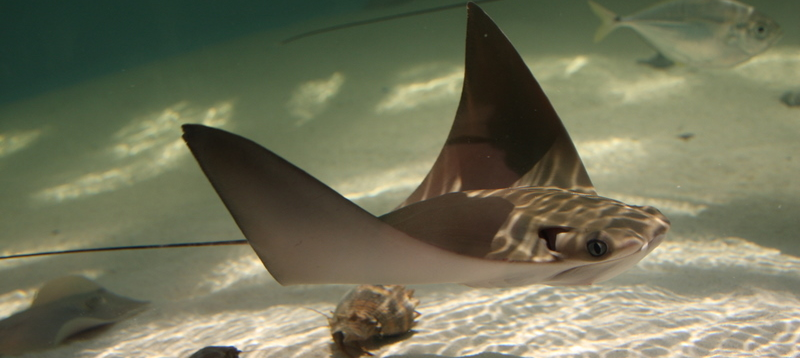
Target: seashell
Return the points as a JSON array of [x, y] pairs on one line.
[[217, 352], [368, 314]]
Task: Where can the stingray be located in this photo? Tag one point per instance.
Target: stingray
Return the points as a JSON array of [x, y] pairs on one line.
[[508, 201], [63, 308]]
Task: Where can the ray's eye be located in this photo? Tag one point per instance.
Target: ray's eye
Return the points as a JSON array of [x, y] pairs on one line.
[[596, 247]]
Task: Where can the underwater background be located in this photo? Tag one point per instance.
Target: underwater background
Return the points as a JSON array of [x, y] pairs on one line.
[[92, 96]]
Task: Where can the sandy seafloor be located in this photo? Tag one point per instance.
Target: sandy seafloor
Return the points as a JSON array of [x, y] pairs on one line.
[[366, 111]]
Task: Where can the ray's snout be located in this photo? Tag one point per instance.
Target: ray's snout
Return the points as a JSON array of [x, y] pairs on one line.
[[658, 227]]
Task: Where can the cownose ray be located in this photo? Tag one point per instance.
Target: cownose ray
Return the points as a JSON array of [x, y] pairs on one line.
[[63, 307], [508, 201]]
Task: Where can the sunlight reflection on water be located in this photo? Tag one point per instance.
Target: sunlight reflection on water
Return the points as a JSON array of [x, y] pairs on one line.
[[147, 147], [422, 85], [12, 142]]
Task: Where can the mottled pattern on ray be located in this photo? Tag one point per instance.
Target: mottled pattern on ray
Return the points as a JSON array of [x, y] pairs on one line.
[[64, 307]]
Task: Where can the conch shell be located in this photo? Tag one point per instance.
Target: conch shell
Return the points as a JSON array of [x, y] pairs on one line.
[[369, 314]]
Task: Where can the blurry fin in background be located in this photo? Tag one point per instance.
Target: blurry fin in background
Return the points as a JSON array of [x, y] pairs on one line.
[[63, 307]]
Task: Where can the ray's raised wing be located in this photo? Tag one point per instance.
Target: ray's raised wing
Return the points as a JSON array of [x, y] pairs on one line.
[[506, 133]]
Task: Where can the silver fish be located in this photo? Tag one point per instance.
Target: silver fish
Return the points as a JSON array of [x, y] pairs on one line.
[[698, 33], [63, 307], [508, 202]]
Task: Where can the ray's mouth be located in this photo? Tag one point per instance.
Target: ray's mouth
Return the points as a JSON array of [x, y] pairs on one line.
[[652, 244]]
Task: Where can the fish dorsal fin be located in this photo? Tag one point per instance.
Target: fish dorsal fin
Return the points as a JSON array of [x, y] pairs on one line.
[[61, 287], [506, 133]]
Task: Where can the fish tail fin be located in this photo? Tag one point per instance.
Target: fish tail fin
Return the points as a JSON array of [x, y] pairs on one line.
[[609, 18]]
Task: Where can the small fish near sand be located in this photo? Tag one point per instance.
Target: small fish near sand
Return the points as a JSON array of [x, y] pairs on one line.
[[369, 316], [697, 33], [63, 308], [507, 203]]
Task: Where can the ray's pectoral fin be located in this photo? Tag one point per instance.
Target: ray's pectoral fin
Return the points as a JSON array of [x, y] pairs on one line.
[[304, 232], [454, 222], [506, 133]]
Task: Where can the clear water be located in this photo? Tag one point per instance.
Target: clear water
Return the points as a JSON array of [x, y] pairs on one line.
[[100, 163]]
